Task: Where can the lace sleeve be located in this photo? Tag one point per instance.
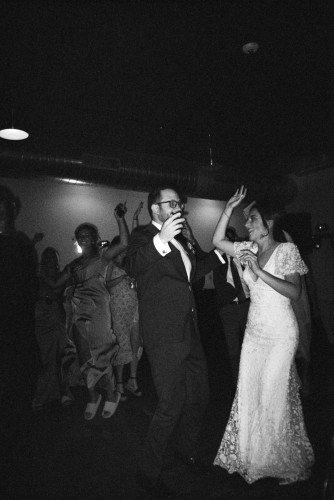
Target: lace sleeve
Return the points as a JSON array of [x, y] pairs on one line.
[[244, 245], [289, 260]]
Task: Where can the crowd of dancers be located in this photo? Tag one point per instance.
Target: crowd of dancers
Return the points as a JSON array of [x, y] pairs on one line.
[[95, 317]]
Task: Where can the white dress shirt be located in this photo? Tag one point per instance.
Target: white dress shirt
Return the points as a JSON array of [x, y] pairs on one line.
[[164, 249], [229, 277]]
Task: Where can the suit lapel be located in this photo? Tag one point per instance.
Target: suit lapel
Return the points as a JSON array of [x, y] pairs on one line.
[[192, 258], [174, 257], [152, 229]]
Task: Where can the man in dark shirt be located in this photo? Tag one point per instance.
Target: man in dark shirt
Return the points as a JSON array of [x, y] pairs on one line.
[[233, 304]]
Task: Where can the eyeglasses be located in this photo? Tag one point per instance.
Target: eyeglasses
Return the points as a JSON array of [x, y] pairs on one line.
[[172, 203]]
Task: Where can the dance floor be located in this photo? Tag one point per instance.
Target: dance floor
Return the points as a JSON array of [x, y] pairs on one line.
[[56, 454]]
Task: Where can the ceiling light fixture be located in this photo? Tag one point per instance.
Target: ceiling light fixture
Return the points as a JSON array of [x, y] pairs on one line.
[[250, 48], [13, 134], [71, 181], [213, 166]]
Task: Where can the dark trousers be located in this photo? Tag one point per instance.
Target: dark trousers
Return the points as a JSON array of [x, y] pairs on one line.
[[234, 319], [179, 374]]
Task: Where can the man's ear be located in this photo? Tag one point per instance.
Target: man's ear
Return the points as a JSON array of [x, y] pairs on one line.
[[155, 208]]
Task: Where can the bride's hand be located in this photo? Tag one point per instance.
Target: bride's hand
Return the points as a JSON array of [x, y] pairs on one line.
[[251, 260], [236, 199]]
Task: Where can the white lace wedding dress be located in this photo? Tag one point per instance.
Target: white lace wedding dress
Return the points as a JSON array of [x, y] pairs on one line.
[[265, 435]]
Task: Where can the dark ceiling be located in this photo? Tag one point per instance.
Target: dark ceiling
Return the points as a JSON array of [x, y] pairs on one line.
[[161, 77]]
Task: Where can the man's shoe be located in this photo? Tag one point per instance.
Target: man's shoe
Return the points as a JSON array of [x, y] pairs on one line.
[[157, 489]]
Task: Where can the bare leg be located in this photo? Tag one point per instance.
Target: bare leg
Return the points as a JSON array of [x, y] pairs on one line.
[[132, 384], [134, 367], [93, 395], [119, 381]]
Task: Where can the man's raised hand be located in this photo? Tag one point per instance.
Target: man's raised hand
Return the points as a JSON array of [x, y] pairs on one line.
[[171, 227]]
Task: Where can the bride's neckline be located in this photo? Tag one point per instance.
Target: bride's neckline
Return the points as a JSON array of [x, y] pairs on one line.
[[270, 250]]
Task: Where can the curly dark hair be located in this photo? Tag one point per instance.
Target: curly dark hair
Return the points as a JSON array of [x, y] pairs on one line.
[[54, 252], [90, 227]]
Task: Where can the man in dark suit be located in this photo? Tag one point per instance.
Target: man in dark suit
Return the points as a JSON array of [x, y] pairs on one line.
[[233, 304], [164, 269]]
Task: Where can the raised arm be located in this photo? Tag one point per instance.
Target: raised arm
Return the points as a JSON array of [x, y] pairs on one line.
[[135, 218], [219, 239], [123, 230]]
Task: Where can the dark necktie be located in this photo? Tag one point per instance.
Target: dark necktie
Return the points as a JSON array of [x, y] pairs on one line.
[[237, 282], [183, 241]]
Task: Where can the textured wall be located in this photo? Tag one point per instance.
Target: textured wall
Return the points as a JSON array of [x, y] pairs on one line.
[[56, 208]]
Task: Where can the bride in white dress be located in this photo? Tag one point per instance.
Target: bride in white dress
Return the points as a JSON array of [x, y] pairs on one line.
[[265, 435]]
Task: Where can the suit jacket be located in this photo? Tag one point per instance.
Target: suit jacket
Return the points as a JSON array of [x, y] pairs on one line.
[[167, 308], [226, 293]]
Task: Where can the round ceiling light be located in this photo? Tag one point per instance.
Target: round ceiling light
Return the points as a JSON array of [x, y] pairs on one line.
[[13, 134], [250, 48]]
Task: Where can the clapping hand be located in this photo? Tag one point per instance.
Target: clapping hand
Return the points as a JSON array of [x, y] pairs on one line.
[[171, 227]]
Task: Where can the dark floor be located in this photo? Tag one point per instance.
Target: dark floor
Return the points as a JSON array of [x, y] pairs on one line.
[[56, 454]]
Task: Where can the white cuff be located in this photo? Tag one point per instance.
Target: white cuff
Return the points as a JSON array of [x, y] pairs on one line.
[[222, 260], [162, 248]]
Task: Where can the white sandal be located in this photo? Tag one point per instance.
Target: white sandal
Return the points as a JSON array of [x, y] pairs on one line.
[[111, 406], [91, 408]]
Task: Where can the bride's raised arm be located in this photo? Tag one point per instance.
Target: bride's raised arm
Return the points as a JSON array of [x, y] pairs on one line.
[[219, 239]]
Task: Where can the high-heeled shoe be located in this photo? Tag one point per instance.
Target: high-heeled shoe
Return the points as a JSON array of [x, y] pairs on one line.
[[133, 387]]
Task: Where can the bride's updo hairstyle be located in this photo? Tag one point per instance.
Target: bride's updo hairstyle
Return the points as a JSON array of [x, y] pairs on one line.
[[270, 211]]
